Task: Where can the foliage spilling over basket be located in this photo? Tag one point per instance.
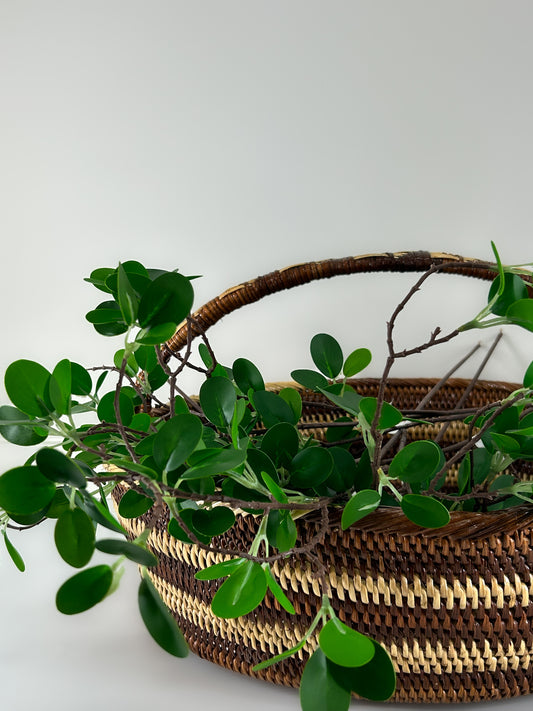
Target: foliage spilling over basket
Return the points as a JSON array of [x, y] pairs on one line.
[[243, 475]]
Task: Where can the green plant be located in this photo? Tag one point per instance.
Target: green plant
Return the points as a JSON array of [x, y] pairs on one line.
[[239, 445]]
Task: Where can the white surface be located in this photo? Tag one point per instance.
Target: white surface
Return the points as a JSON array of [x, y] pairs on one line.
[[228, 139]]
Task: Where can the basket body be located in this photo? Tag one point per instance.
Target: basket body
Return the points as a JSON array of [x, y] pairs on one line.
[[453, 606]]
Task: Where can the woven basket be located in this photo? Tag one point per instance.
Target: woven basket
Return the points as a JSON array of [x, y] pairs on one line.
[[453, 606]]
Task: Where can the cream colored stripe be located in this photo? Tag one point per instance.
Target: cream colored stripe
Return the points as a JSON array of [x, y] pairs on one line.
[[380, 590]]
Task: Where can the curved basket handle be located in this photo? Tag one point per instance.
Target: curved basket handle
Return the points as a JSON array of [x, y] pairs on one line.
[[254, 290]]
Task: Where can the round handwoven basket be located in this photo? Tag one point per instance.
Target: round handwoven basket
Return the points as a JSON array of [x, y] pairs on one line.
[[451, 606]]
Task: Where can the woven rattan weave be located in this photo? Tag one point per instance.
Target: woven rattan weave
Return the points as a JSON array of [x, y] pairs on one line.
[[453, 606]]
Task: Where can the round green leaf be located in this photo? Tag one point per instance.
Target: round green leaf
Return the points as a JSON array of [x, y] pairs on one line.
[[272, 408], [389, 417], [209, 462], [242, 592], [56, 466], [326, 354], [344, 645], [24, 490], [280, 443], [217, 400], [520, 313], [154, 335], [159, 621], [359, 506], [26, 384], [416, 462], [278, 592], [134, 504], [82, 383], [84, 590], [176, 440], [425, 511], [310, 379], [319, 690], [22, 434], [106, 408], [132, 551], [168, 299], [213, 522], [514, 289], [356, 362], [247, 376], [108, 312], [60, 387], [74, 537], [281, 530], [375, 681], [310, 467], [294, 400]]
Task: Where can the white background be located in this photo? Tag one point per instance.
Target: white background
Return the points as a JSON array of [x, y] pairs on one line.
[[228, 139]]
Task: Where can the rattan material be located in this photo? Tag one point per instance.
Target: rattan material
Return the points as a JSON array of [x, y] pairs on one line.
[[453, 606]]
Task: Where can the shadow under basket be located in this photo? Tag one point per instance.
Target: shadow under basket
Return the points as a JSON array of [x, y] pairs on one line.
[[453, 606]]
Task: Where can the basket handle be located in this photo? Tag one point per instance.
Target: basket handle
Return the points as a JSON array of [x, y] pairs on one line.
[[254, 290]]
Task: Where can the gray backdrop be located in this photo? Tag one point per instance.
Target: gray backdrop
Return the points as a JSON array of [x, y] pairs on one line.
[[228, 139]]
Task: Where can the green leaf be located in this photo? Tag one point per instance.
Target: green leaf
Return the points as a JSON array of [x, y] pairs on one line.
[[514, 289], [276, 490], [81, 382], [159, 621], [344, 645], [348, 401], [127, 297], [134, 504], [215, 461], [343, 474], [74, 537], [319, 690], [359, 506], [375, 681], [214, 521], [24, 490], [272, 408], [247, 376], [168, 299], [23, 431], [310, 467], [310, 379], [528, 376], [146, 358], [106, 408], [357, 361], [60, 387], [98, 278], [56, 466], [176, 529], [219, 570], [206, 356], [14, 554], [132, 551], [326, 354], [84, 590], [98, 512], [280, 443], [425, 511], [26, 384], [519, 313], [154, 335], [217, 400], [294, 400], [276, 590], [242, 592], [281, 530], [176, 441], [416, 462], [390, 416]]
